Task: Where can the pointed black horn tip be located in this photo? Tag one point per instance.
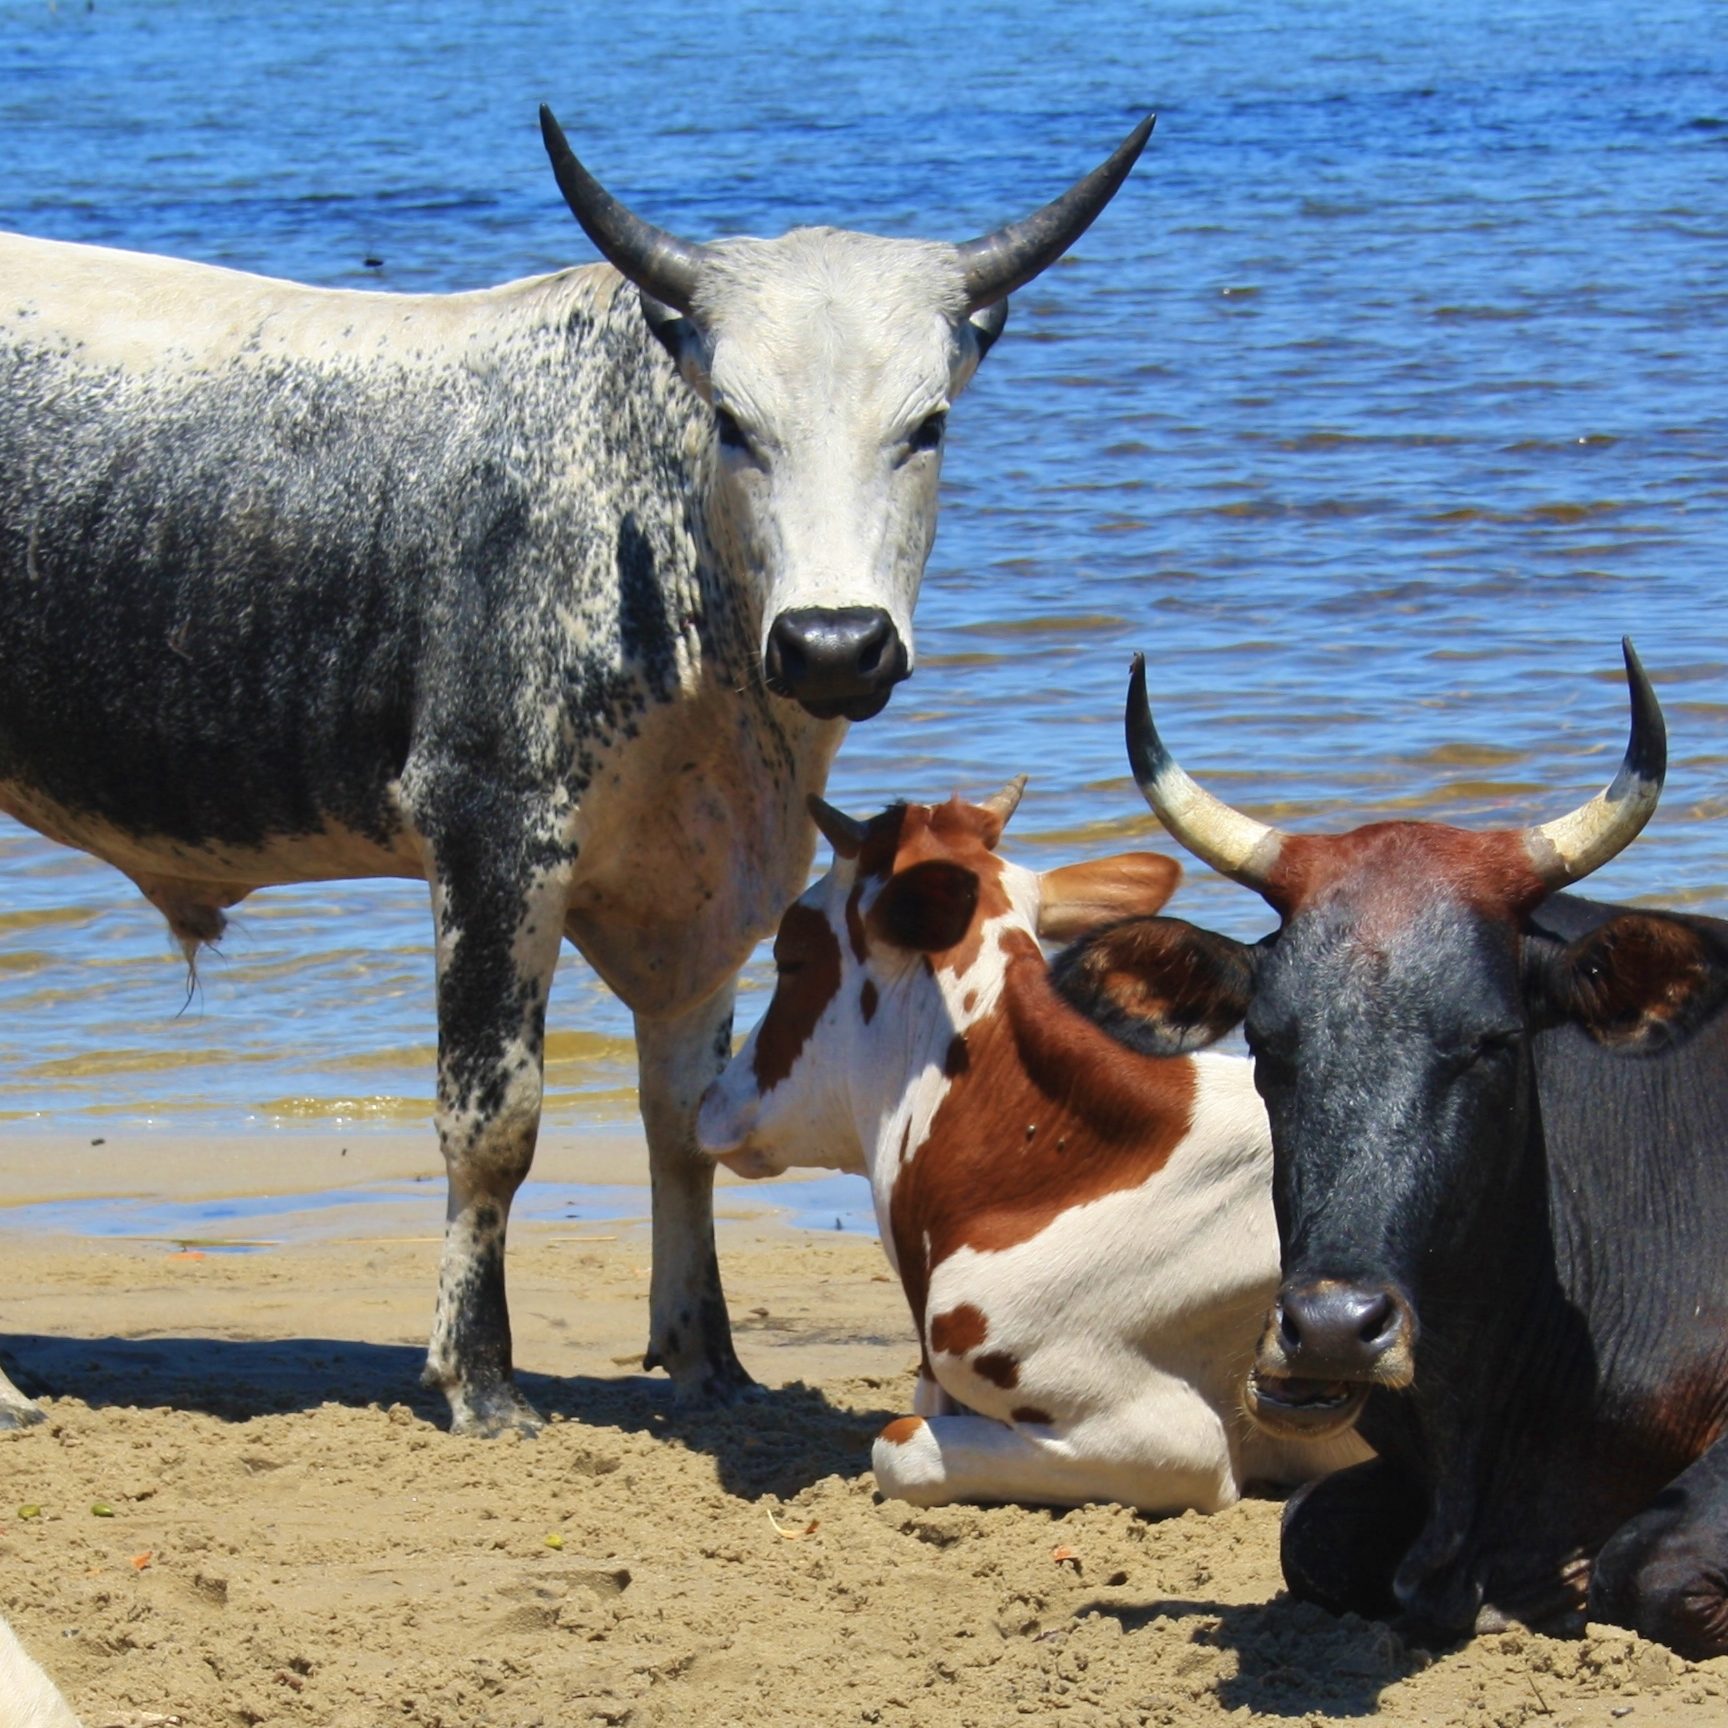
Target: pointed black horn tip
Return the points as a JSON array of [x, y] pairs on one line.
[[551, 133], [1145, 747], [1647, 751], [567, 170], [1116, 167]]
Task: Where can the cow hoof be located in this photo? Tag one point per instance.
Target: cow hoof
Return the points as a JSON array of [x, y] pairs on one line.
[[498, 1410], [713, 1387]]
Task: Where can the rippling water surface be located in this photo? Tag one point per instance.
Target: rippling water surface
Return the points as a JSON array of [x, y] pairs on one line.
[[1389, 393]]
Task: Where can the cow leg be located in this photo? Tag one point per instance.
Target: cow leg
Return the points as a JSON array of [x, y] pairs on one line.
[[1344, 1537], [1665, 1572], [498, 902], [688, 1332], [16, 1411], [939, 1460]]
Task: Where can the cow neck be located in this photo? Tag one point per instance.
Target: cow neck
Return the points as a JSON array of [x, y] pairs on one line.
[[1042, 1113]]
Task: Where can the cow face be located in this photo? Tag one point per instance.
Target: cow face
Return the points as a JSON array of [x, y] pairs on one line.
[[1390, 1018], [829, 361], [881, 967]]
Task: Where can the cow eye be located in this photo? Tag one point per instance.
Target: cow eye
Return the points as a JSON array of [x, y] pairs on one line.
[[928, 434], [729, 432]]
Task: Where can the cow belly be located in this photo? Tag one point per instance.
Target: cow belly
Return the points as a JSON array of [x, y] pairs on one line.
[[220, 873]]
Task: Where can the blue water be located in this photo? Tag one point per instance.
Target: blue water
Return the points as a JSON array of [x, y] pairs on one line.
[[834, 1203], [1386, 397]]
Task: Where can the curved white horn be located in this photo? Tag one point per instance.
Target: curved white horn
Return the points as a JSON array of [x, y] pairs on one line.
[[1570, 847], [1233, 844]]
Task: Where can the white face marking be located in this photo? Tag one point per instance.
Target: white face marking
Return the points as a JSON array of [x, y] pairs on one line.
[[830, 359]]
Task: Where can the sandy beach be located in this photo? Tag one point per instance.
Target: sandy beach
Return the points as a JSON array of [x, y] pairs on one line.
[[243, 1510]]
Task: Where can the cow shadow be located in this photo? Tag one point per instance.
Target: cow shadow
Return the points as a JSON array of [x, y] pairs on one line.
[[773, 1441], [1293, 1659]]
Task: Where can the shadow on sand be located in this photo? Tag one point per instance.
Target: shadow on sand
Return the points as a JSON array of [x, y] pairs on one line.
[[1294, 1660], [770, 1442]]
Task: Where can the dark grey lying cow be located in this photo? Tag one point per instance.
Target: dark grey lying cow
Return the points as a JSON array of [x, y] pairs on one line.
[[1500, 1154], [557, 596]]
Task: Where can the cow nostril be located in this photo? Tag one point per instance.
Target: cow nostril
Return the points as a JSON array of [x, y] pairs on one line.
[[1377, 1319]]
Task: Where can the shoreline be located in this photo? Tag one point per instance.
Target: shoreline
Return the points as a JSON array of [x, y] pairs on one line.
[[50, 1169]]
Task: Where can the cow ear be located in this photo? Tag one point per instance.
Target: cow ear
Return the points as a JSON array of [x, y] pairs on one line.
[[682, 338], [1639, 983], [1077, 898], [927, 907], [987, 324], [1158, 985]]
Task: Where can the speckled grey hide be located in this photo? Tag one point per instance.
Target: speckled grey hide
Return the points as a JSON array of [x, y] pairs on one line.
[[300, 584]]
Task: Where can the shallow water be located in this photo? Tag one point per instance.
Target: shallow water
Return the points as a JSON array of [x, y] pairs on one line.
[[832, 1203], [1385, 398]]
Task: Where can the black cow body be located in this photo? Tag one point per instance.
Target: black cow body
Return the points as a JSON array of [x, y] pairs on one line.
[[1569, 1404], [1499, 1124]]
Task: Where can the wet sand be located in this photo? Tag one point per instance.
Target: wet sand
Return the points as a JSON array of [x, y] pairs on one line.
[[290, 1537]]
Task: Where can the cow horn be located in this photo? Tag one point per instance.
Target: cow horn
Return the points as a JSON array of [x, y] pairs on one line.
[[996, 264], [657, 262], [1570, 847], [844, 833], [1003, 804], [1233, 844]]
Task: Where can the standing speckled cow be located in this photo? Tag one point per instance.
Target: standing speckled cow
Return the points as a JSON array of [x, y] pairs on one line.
[[556, 595]]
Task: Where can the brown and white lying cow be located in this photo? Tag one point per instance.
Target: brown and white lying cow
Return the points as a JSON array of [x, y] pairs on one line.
[[1085, 1235]]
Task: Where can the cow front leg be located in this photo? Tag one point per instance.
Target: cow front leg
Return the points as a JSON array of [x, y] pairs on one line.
[[1345, 1535], [1665, 1572], [498, 902], [689, 1334]]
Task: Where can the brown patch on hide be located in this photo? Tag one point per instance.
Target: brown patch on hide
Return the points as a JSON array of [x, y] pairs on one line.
[[958, 1331], [956, 833], [999, 1368], [808, 954], [1106, 1119], [902, 1429], [855, 922]]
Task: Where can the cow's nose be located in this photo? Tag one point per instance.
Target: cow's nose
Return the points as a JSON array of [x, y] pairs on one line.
[[1330, 1329], [836, 662]]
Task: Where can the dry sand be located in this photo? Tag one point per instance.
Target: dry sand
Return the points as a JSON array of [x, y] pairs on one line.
[[247, 1512]]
